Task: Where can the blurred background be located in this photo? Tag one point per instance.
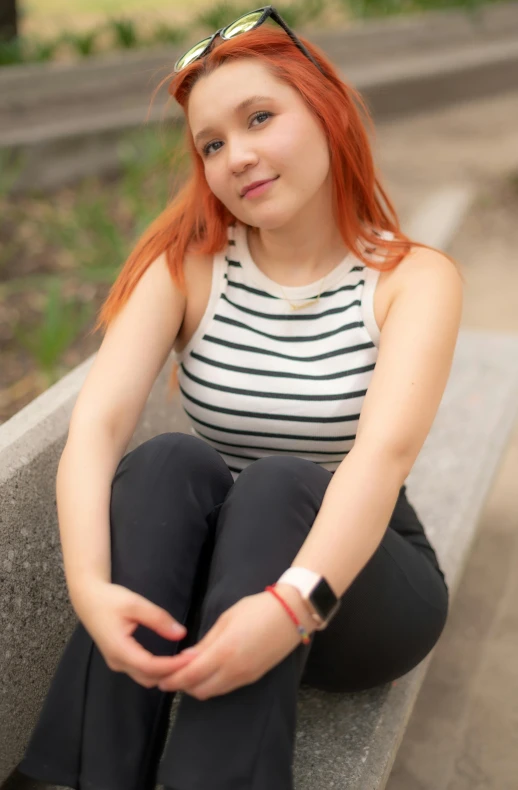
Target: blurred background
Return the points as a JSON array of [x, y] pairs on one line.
[[83, 170]]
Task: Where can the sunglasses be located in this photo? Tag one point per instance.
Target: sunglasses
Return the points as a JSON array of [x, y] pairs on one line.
[[243, 24]]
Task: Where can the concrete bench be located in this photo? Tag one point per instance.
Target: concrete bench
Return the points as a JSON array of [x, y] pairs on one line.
[[343, 740]]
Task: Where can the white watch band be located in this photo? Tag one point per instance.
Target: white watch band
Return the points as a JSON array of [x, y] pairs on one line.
[[301, 578]]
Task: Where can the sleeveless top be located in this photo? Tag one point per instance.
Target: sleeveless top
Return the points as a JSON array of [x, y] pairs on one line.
[[259, 379]]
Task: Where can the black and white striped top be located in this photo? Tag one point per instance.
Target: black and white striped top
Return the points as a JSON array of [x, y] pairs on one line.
[[258, 378]]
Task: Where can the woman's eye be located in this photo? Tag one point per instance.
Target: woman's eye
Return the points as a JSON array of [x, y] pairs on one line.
[[261, 113], [206, 149]]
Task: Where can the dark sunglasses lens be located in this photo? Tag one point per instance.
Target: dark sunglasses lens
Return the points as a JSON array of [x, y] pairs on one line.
[[242, 25], [191, 54]]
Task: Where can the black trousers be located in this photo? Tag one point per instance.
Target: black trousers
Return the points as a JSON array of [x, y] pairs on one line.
[[193, 541]]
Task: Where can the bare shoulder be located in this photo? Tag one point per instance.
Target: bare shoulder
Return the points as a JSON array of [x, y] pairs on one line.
[[196, 263], [424, 274], [425, 264], [198, 281]]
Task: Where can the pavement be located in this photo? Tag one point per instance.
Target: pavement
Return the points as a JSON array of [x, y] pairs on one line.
[[463, 732]]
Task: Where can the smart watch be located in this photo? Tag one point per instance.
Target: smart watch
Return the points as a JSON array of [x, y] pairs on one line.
[[316, 593]]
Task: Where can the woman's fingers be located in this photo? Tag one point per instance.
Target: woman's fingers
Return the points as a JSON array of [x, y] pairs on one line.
[[143, 680], [188, 655], [197, 670], [213, 686], [136, 658], [155, 617]]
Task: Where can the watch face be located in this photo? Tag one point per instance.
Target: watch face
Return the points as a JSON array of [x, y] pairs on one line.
[[323, 599]]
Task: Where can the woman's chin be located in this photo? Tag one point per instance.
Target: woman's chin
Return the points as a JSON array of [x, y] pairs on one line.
[[269, 218]]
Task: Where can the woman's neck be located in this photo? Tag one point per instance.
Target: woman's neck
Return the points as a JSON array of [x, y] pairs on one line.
[[296, 260]]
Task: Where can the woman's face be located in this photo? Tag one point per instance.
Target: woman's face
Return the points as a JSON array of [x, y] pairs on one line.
[[272, 136]]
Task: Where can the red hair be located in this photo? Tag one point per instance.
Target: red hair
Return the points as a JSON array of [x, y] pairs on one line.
[[196, 220]]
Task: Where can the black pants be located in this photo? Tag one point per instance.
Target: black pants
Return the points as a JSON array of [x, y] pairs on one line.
[[193, 541]]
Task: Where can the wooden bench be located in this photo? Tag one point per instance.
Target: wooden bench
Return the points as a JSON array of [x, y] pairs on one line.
[[343, 740]]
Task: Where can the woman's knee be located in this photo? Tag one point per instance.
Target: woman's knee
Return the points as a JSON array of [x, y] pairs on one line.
[[161, 497], [165, 470], [281, 473], [277, 486], [170, 452]]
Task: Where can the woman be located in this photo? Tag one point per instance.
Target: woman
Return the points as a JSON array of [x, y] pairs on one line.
[[293, 306]]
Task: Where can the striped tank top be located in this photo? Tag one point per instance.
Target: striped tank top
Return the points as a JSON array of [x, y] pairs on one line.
[[259, 379]]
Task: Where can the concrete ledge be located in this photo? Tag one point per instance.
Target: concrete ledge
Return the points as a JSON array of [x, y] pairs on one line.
[[432, 80], [354, 736]]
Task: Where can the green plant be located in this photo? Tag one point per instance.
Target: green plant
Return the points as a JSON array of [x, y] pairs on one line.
[[82, 43], [125, 32], [12, 163], [11, 52], [63, 320], [150, 163], [363, 9], [293, 14], [39, 50], [97, 224], [87, 231], [311, 9], [371, 8], [167, 34], [28, 49], [220, 14]]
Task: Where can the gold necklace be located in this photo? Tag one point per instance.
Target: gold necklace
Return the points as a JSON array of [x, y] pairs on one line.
[[297, 306], [306, 304]]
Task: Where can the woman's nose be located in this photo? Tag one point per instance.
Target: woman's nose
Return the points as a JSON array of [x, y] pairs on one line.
[[240, 155]]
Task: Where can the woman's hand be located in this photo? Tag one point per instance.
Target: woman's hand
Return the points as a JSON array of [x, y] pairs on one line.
[[246, 641], [111, 613]]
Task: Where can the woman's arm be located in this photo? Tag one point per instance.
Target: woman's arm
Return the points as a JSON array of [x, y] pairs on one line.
[[416, 349], [85, 471], [134, 350]]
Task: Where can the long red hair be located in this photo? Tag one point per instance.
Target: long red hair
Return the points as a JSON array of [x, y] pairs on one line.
[[196, 220]]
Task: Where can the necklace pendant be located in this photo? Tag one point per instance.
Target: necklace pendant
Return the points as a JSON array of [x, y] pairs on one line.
[[302, 306]]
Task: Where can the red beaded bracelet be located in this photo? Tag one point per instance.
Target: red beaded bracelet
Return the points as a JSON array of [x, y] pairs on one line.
[[300, 628]]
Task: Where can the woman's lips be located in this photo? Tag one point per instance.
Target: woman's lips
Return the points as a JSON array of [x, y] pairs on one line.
[[260, 189]]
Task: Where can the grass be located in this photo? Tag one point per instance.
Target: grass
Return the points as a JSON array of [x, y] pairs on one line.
[[111, 24], [364, 9], [62, 7], [80, 238], [61, 321], [109, 32]]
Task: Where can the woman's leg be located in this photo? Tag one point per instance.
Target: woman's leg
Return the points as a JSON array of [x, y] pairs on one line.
[[99, 729], [244, 740]]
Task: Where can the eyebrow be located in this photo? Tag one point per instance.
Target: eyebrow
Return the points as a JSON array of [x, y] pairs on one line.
[[238, 108]]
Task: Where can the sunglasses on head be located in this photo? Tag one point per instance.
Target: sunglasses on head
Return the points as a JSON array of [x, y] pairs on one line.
[[243, 24]]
